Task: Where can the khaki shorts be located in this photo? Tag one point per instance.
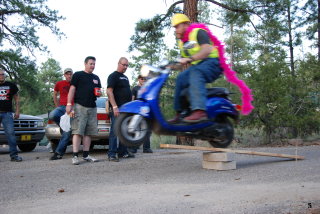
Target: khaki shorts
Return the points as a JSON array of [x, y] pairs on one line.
[[85, 122]]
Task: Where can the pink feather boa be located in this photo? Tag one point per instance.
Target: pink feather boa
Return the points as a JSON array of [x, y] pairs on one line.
[[231, 75]]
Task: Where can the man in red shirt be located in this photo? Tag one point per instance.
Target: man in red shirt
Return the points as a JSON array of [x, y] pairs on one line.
[[62, 89]]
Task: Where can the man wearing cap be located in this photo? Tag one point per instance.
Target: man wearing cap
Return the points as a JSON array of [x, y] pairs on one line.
[[205, 67], [205, 53], [61, 88]]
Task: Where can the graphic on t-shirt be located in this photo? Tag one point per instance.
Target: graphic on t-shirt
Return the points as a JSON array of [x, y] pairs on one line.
[[4, 93], [95, 81], [66, 88]]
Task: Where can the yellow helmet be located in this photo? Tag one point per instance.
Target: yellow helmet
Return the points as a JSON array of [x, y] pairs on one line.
[[179, 18]]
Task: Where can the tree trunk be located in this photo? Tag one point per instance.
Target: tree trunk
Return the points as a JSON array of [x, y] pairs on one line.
[[190, 8], [293, 74], [292, 68], [318, 30]]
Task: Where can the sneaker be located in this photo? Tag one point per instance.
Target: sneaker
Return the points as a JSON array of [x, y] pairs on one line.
[[147, 151], [128, 155], [16, 158], [113, 159], [196, 116], [56, 156], [75, 160], [90, 159]]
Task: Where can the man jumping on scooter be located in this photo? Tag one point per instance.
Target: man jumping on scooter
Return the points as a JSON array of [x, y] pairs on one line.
[[206, 55], [205, 67]]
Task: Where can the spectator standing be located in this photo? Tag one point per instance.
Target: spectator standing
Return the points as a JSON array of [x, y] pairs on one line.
[[85, 87], [119, 93], [8, 92], [61, 88], [146, 144]]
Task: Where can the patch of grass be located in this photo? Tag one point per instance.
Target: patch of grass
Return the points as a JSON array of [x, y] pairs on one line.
[[248, 137], [156, 140]]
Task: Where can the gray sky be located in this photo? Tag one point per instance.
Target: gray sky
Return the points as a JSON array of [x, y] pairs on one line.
[[97, 28]]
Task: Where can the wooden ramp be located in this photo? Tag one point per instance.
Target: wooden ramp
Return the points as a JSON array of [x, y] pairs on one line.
[[172, 146]]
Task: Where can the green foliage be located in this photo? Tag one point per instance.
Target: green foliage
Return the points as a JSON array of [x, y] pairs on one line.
[[263, 42], [49, 73], [20, 20]]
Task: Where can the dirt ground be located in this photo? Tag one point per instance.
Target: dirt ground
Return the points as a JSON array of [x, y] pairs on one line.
[[167, 181]]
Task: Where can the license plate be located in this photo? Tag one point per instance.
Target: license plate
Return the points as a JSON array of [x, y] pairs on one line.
[[103, 130], [25, 137]]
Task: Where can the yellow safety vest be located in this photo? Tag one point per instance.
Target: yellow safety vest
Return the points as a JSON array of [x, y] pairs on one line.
[[190, 52]]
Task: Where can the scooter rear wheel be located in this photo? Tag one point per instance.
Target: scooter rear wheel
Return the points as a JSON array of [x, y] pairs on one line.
[[225, 135], [130, 139]]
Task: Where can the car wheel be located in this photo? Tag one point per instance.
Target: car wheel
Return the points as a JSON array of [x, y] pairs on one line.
[[27, 147]]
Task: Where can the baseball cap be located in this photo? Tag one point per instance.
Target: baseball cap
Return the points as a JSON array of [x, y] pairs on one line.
[[67, 70]]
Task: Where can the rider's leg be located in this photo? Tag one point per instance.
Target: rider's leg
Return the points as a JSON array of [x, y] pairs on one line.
[[205, 72], [182, 82]]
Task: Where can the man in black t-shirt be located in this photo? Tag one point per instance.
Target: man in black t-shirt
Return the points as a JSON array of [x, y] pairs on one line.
[[9, 91], [119, 93], [84, 122]]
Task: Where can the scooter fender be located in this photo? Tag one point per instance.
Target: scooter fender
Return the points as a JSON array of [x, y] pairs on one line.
[[217, 106], [137, 107]]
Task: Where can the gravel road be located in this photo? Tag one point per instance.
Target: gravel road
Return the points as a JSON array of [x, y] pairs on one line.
[[167, 181]]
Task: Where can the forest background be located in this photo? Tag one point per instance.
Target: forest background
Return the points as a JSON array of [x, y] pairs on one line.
[[272, 44]]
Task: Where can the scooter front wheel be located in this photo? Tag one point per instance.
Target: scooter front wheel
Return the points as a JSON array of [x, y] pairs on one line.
[[131, 138]]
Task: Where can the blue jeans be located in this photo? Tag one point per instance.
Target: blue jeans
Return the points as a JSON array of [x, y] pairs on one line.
[[114, 144], [6, 118], [195, 78], [55, 115]]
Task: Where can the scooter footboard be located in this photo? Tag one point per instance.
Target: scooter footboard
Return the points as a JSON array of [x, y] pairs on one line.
[[136, 107]]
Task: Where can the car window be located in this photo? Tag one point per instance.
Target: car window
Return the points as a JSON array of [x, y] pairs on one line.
[[101, 102]]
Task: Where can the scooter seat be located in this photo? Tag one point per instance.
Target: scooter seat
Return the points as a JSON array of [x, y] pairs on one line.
[[211, 92], [217, 92]]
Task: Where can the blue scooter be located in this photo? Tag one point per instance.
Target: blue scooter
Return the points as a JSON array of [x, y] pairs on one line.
[[138, 118]]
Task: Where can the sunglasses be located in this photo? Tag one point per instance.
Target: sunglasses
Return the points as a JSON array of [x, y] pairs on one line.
[[142, 78], [125, 65]]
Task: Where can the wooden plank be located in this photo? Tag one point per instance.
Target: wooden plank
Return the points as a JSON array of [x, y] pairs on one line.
[[246, 152]]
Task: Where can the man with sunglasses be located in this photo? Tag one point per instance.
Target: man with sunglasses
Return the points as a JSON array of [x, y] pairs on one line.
[[9, 91], [146, 144], [119, 93]]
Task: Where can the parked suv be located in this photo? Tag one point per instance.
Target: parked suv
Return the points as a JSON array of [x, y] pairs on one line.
[[53, 133], [29, 131]]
